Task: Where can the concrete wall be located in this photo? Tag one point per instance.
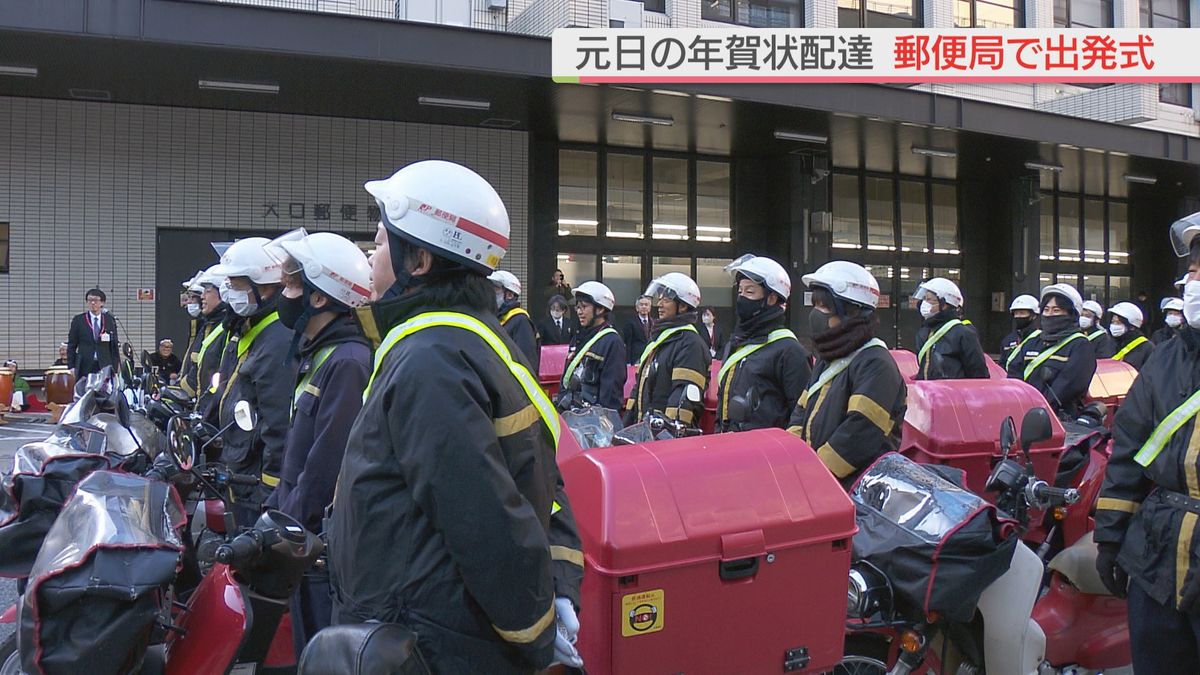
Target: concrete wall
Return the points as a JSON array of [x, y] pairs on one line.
[[85, 187]]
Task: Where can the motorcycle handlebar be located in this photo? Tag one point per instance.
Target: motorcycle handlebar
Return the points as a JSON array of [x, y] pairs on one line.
[[240, 551], [242, 479], [1052, 496]]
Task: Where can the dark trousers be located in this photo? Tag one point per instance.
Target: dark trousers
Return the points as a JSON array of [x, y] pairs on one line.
[[1162, 639], [311, 607]]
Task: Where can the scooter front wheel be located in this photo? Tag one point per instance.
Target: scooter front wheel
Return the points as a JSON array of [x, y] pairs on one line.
[[863, 657]]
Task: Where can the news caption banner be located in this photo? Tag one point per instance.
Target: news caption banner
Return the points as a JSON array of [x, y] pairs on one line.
[[875, 55]]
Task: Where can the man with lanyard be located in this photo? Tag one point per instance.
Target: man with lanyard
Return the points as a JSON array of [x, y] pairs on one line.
[[1172, 309], [253, 370], [949, 349], [325, 276], [1093, 329], [855, 400], [767, 369], [1126, 328], [1147, 514], [1059, 362], [514, 318], [596, 370], [1024, 310], [196, 324], [449, 515], [676, 356], [213, 336]]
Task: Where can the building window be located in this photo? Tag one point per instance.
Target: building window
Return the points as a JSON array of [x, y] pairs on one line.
[[659, 6], [669, 217], [1085, 242], [625, 191], [914, 235], [577, 267], [577, 193], [716, 288], [623, 276], [754, 13], [879, 14], [846, 213], [1083, 13], [4, 247], [945, 219], [1168, 14], [989, 14], [713, 182]]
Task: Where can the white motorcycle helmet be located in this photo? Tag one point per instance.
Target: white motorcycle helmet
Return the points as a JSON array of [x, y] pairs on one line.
[[506, 280], [847, 281], [329, 262], [596, 293], [1183, 231], [947, 291], [1066, 290], [763, 271], [1024, 301], [447, 208], [1129, 312], [193, 285], [1171, 303], [1094, 307], [675, 286], [247, 258]]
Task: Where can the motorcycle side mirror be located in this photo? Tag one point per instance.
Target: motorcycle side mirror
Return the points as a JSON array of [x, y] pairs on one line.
[[124, 416], [1035, 428], [1008, 434], [244, 416], [180, 444]]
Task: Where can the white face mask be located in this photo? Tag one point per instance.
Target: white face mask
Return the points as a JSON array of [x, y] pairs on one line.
[[928, 309], [1085, 322], [1191, 303], [1117, 329], [239, 301], [1174, 320], [499, 298], [193, 309]]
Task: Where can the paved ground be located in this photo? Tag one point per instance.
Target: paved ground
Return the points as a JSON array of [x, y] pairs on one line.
[[20, 430]]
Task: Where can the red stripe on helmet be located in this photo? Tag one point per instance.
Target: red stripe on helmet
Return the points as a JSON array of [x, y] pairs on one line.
[[482, 232]]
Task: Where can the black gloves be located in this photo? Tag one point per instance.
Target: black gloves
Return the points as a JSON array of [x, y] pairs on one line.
[[1111, 575]]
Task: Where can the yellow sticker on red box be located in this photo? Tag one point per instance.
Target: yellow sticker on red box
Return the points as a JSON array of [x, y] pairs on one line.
[[642, 613]]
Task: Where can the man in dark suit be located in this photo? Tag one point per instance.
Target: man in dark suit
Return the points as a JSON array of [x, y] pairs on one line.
[[557, 328], [92, 341], [637, 330]]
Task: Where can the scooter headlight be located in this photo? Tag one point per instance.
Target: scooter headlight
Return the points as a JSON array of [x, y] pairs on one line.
[[868, 591]]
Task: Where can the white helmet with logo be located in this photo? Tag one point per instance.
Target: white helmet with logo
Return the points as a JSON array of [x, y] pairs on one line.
[[447, 208], [947, 291], [1024, 301], [763, 271], [597, 293], [506, 280], [849, 281], [1094, 307], [330, 262], [1128, 311], [1172, 303], [209, 277], [675, 286], [247, 258], [1066, 290], [193, 285]]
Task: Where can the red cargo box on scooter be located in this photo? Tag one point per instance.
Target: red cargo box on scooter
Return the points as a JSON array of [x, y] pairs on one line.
[[1110, 384], [551, 367], [906, 361], [712, 554], [957, 422]]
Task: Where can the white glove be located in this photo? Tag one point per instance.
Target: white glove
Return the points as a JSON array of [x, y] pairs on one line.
[[566, 634]]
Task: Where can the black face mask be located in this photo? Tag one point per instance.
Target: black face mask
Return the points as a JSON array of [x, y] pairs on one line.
[[747, 309], [1022, 324], [290, 310], [818, 321], [1053, 325]]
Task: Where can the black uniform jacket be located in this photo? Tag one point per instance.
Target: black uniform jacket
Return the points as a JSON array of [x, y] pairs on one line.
[[210, 362], [1137, 356], [1064, 377], [856, 417], [520, 328], [1158, 539], [680, 360], [636, 337], [1010, 342], [1163, 334], [1103, 343], [266, 381], [602, 370], [189, 378], [442, 514], [955, 356], [325, 407], [770, 381], [550, 334]]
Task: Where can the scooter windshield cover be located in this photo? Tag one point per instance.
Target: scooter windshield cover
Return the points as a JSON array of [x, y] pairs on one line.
[[915, 498], [110, 509], [593, 426]]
